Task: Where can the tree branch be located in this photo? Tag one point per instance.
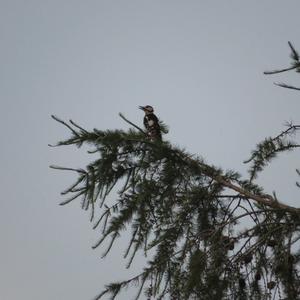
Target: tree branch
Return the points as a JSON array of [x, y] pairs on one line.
[[129, 122]]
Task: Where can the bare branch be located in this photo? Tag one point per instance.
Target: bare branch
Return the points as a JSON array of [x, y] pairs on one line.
[[287, 86], [294, 54], [281, 70], [129, 122]]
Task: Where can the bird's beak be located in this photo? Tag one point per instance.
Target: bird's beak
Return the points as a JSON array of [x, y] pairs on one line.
[[142, 107]]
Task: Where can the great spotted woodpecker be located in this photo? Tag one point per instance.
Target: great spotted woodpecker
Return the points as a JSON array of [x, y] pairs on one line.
[[151, 123]]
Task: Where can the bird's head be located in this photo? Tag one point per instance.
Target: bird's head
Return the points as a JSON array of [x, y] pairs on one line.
[[147, 109]]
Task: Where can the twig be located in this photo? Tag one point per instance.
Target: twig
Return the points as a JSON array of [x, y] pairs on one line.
[[65, 124], [287, 86], [137, 127], [67, 169], [79, 127], [294, 54], [281, 71]]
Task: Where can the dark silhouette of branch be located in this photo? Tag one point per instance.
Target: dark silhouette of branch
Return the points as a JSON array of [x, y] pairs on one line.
[[129, 122], [295, 66], [287, 86]]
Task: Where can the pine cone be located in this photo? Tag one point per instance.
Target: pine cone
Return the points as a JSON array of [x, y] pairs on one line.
[[242, 283], [271, 243], [248, 258], [257, 276], [271, 285]]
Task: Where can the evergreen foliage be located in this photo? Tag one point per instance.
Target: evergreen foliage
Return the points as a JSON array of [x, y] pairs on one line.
[[188, 214]]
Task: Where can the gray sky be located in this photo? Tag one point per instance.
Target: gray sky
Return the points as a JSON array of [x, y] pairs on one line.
[[199, 63]]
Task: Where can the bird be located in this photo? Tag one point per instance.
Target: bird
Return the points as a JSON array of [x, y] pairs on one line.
[[151, 123]]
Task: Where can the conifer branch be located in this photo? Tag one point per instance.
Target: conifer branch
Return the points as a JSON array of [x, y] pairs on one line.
[[269, 148], [182, 208], [188, 213], [295, 66]]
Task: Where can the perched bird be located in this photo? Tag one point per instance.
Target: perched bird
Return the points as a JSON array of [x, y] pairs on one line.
[[151, 123]]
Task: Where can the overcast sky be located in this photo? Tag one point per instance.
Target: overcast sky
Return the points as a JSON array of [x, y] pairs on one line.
[[199, 63]]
